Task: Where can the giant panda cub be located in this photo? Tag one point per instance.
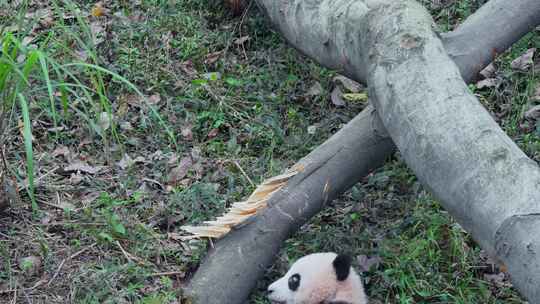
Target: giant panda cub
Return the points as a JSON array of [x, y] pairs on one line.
[[319, 278]]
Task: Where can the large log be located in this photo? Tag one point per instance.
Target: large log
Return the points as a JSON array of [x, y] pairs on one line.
[[488, 32], [451, 142], [329, 31]]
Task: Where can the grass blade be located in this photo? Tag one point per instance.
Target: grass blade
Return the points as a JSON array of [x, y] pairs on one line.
[[134, 88], [27, 134], [45, 71]]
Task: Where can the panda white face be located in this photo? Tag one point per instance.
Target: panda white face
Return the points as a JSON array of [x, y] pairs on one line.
[[319, 278]]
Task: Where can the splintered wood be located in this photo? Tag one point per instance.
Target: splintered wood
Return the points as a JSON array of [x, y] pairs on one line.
[[239, 212]]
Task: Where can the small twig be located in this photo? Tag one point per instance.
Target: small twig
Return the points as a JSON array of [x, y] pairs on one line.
[[4, 170], [26, 297], [76, 254], [68, 258], [14, 300], [130, 257], [58, 223], [126, 254], [169, 273], [243, 172], [244, 14], [2, 122], [154, 182], [57, 272], [52, 205], [8, 291], [223, 103], [38, 283], [237, 26], [46, 174]]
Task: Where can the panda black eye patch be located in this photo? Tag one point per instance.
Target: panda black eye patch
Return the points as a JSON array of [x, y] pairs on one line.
[[294, 282]]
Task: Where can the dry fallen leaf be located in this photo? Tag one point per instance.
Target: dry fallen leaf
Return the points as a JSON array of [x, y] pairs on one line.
[[125, 162], [98, 10], [187, 133], [173, 159], [10, 193], [139, 159], [98, 32], [154, 99], [536, 95], [46, 22], [349, 85], [337, 97], [487, 83], [536, 68], [166, 39], [56, 129], [180, 171], [20, 126], [489, 71], [188, 68], [80, 166], [27, 40], [133, 100], [497, 279], [533, 113], [4, 198], [88, 198], [213, 133], [44, 17], [199, 170], [315, 90], [366, 262], [196, 154], [122, 108], [61, 151], [75, 178], [525, 61], [126, 126], [241, 40], [212, 57]]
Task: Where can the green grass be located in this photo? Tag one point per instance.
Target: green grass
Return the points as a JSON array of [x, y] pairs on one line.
[[144, 81]]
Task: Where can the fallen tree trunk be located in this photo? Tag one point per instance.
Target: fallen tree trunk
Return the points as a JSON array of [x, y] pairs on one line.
[[488, 32], [451, 142], [329, 31]]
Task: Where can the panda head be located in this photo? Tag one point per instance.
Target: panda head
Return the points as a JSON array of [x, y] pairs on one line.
[[319, 278]]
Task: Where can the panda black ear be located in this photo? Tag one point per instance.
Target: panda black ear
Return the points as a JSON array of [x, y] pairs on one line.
[[342, 265]]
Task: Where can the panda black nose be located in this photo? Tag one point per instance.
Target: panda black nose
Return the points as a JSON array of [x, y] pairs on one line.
[[269, 290]]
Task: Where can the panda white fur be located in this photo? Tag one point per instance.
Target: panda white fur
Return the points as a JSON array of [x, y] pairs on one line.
[[319, 278]]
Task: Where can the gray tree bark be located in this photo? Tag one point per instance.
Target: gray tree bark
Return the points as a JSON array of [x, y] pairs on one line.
[[444, 134], [489, 32], [451, 142]]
